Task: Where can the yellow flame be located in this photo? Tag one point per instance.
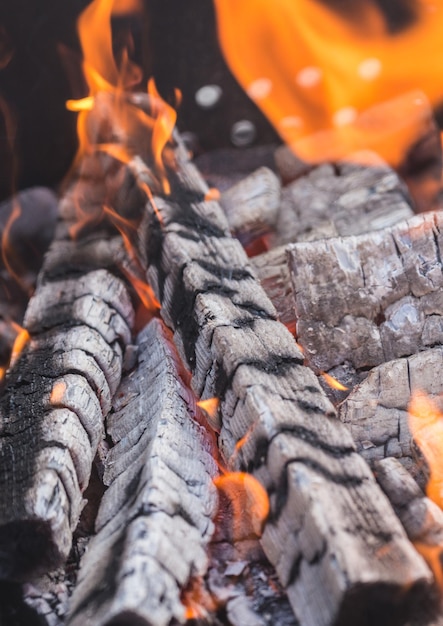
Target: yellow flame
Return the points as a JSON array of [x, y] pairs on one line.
[[333, 382]]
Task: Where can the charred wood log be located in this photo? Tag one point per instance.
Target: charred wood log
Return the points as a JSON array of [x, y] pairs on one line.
[[340, 200], [422, 518], [54, 399], [276, 422], [251, 205], [325, 204], [154, 521], [376, 409], [369, 299]]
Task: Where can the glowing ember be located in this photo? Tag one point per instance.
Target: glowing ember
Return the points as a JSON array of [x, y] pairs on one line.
[[426, 426], [333, 382], [2, 373], [57, 393], [247, 496], [325, 78]]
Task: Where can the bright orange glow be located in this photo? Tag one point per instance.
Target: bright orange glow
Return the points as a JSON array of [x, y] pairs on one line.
[[333, 382], [57, 393], [433, 555], [248, 497], [331, 82], [426, 426], [20, 342], [2, 373], [107, 108]]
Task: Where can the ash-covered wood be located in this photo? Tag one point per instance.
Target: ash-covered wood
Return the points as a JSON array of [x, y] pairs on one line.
[[272, 270], [369, 299], [251, 205], [54, 399], [376, 411], [276, 421], [155, 519], [339, 200]]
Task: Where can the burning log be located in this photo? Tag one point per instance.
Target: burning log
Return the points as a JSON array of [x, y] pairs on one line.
[[340, 200], [347, 199], [332, 536], [56, 393], [251, 205], [369, 299], [155, 519], [376, 411]]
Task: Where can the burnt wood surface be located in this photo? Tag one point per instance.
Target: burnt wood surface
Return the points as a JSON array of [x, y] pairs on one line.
[[376, 410], [155, 520], [371, 298], [339, 200], [276, 422], [251, 206], [330, 201], [421, 517], [55, 397]]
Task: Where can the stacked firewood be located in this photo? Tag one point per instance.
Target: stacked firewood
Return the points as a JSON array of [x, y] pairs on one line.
[[342, 552]]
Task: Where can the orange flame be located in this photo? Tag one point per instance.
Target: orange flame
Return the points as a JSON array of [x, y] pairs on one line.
[[333, 83], [426, 426], [143, 290], [121, 118], [333, 382], [20, 342], [2, 373], [248, 497]]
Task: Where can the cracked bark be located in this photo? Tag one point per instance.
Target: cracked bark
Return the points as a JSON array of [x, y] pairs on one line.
[[365, 300], [376, 409]]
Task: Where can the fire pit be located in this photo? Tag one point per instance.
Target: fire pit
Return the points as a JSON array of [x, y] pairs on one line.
[[221, 396]]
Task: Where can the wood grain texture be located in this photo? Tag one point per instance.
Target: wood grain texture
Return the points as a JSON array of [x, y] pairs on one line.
[[155, 519], [276, 422], [251, 205], [369, 299], [340, 200], [56, 395]]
